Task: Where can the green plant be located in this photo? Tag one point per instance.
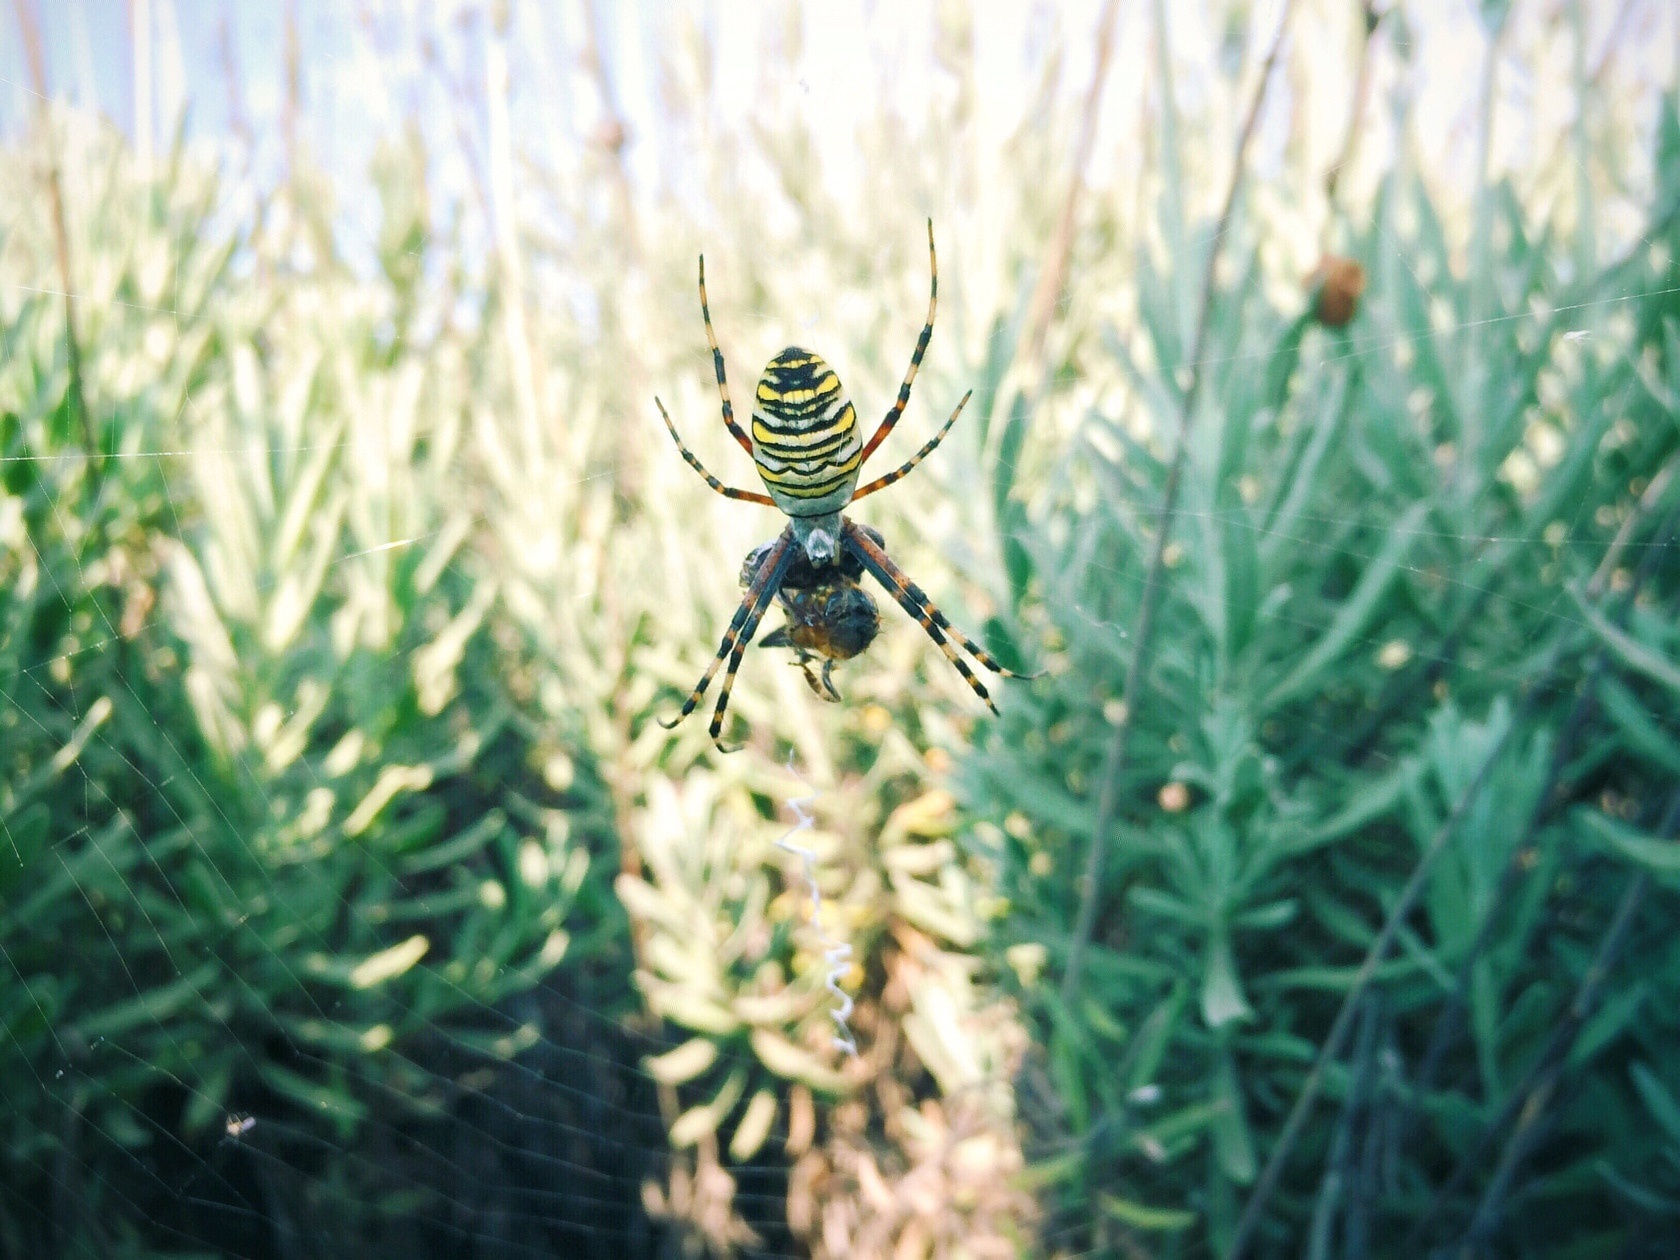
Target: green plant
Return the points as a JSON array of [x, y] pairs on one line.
[[281, 839], [1412, 666]]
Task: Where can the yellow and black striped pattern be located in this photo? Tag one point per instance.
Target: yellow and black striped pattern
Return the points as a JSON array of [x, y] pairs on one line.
[[804, 433]]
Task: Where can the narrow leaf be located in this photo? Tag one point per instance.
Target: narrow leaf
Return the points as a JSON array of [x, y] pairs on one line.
[[1353, 619]]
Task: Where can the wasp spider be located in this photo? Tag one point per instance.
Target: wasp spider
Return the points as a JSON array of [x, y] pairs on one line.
[[804, 439]]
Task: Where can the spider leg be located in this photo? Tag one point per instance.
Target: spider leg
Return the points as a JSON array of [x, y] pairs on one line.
[[914, 601], [728, 492], [892, 416], [811, 679], [822, 687], [741, 629], [829, 692], [717, 363], [881, 483]]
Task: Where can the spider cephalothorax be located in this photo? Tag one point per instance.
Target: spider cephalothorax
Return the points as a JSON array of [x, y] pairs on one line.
[[805, 442]]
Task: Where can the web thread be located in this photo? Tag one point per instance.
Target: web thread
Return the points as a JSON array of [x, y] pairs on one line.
[[837, 954]]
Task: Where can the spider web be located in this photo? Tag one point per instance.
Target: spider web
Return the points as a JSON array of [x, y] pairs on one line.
[[539, 1129]]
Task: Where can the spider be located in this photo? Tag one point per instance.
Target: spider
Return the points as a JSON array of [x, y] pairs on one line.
[[805, 442]]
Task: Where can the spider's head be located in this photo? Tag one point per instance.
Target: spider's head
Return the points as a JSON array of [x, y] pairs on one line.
[[820, 537], [821, 547]]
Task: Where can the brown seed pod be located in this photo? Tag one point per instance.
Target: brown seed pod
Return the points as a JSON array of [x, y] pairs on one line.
[[1336, 284]]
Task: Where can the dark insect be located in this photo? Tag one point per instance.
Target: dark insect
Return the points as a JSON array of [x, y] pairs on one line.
[[829, 616], [805, 441]]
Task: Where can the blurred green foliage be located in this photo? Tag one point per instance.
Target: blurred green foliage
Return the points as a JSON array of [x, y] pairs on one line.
[[1420, 603], [277, 826]]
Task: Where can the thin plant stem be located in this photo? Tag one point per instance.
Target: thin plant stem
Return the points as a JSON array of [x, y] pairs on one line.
[[1356, 119], [1333, 1190], [61, 240], [1447, 1024], [140, 41], [1331, 1049], [609, 139], [291, 97], [1481, 263], [1448, 1021], [1042, 308], [239, 121], [1530, 1099], [504, 226], [1114, 763], [1531, 1102], [612, 131]]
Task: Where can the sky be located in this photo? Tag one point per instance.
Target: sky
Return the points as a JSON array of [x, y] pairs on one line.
[[367, 68]]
